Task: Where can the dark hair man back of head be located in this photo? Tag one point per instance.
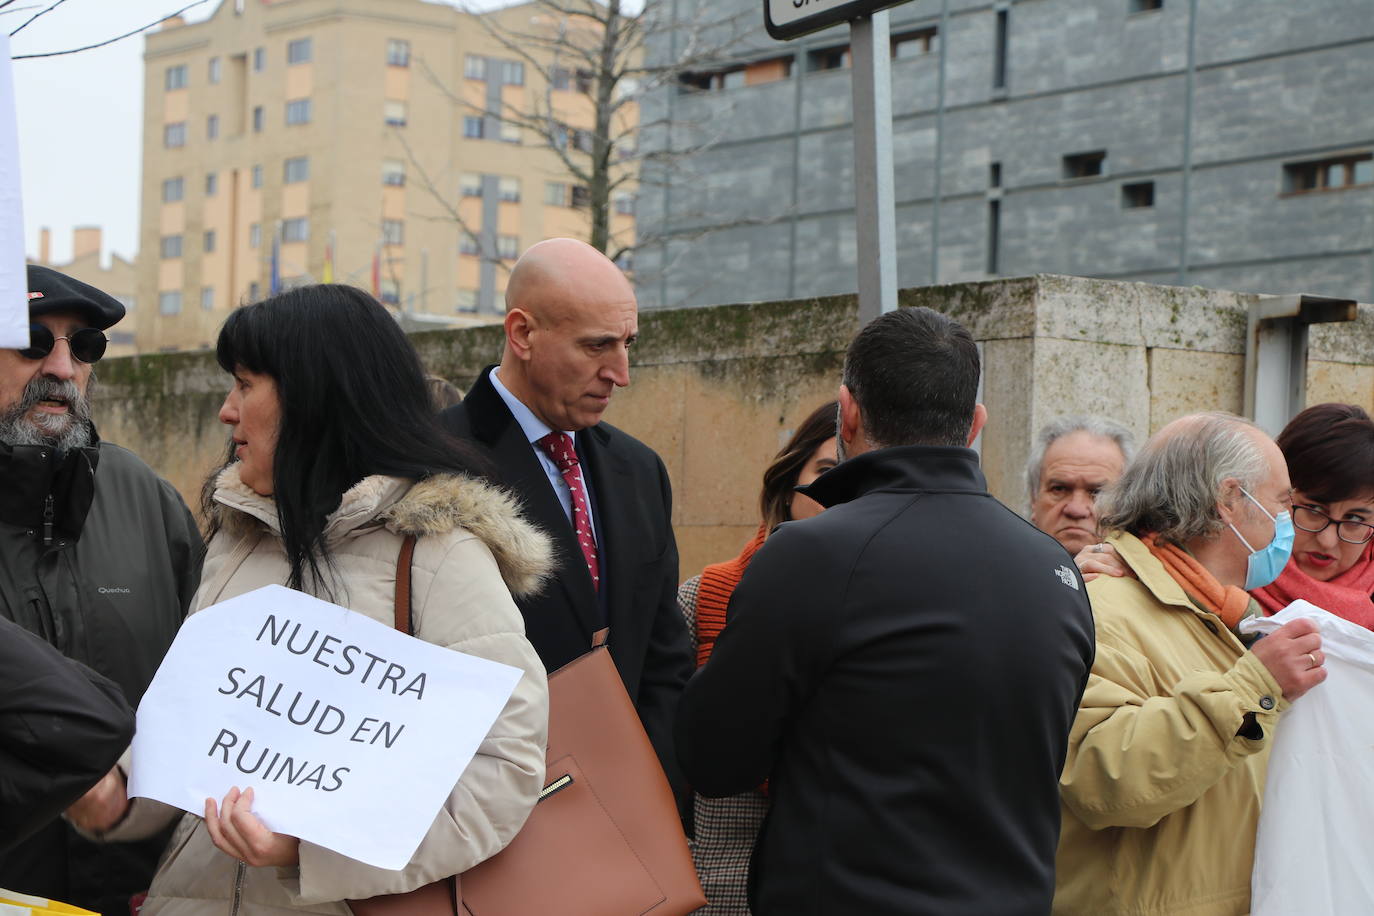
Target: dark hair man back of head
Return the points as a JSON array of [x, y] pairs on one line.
[[912, 375]]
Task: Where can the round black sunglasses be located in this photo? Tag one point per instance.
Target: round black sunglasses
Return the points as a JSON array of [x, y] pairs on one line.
[[88, 344]]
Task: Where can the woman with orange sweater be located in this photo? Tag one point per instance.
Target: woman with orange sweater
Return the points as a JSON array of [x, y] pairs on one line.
[[725, 829]]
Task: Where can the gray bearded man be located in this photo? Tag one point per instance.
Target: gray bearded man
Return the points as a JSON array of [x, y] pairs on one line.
[[98, 556]]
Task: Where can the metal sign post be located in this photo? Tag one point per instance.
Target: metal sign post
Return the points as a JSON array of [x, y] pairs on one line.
[[870, 52], [875, 228]]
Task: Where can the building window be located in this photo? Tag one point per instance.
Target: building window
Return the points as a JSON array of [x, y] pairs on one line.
[[207, 298], [474, 127], [625, 204], [1328, 174], [585, 80], [211, 184], [393, 172], [212, 127], [173, 189], [467, 300], [393, 232], [176, 77], [999, 51], [828, 59], [1138, 195], [397, 52], [994, 235], [510, 132], [257, 119], [174, 135], [474, 67], [391, 292], [555, 194], [259, 59], [626, 260], [169, 302], [467, 244], [296, 169], [1085, 165], [298, 51], [583, 140], [508, 247], [254, 235], [298, 111], [508, 189], [581, 197], [512, 73], [394, 113], [254, 291], [1145, 6], [470, 184], [994, 174], [560, 78], [213, 73], [209, 241], [256, 179], [295, 230], [914, 44]]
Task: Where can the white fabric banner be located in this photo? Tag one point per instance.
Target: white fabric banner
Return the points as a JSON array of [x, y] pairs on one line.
[[14, 283], [1316, 832], [323, 712]]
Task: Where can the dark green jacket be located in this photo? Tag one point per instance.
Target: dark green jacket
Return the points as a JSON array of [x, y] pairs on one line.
[[100, 557]]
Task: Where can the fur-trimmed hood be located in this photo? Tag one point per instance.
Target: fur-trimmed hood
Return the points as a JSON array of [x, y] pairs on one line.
[[433, 506]]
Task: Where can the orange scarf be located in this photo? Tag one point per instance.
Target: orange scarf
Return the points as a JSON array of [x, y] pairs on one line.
[[714, 589], [1226, 601]]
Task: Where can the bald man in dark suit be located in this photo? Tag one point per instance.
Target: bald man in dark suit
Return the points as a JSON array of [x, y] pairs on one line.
[[603, 495]]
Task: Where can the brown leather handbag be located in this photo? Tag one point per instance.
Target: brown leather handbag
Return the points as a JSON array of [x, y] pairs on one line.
[[604, 838]]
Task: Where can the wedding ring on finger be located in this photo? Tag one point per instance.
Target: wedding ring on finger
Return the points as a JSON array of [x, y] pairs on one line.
[[1099, 548], [1312, 658]]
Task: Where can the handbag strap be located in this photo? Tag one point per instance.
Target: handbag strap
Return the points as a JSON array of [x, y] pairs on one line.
[[404, 621]]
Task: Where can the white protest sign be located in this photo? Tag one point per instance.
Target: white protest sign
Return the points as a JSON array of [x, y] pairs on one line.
[[14, 282], [350, 733]]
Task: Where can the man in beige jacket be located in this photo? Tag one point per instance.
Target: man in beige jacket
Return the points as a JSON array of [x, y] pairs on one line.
[[1162, 787]]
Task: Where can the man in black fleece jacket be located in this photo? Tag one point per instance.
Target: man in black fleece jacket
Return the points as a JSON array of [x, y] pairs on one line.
[[904, 668]]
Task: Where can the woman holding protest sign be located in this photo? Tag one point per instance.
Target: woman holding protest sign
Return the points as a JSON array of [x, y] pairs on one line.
[[336, 459]]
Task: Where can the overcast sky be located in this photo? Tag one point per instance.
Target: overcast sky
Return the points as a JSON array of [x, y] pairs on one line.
[[80, 117]]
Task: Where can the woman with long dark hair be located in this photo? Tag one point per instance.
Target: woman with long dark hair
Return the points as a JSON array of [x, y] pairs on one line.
[[724, 829], [336, 459]]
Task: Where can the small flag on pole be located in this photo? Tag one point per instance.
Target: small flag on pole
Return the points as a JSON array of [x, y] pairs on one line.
[[274, 284], [327, 275]]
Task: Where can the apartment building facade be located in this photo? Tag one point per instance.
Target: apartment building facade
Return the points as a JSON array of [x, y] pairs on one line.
[[1227, 143], [363, 141]]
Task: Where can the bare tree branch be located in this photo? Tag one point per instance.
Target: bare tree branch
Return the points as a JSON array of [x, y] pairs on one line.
[[108, 41]]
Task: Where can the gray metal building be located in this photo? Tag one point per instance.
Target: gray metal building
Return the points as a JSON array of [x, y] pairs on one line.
[[1222, 143]]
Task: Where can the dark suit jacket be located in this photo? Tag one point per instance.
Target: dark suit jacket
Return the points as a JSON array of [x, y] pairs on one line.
[[632, 510]]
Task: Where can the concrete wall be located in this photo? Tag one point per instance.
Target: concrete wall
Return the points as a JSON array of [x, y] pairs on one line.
[[1272, 83], [716, 391]]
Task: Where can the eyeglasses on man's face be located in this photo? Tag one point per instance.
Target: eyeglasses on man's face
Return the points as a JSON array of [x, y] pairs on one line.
[[88, 344], [1315, 521]]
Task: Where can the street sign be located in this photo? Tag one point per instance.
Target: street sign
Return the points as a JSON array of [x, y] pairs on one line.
[[787, 19]]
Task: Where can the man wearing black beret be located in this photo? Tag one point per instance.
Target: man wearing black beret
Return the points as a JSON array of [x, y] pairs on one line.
[[98, 555]]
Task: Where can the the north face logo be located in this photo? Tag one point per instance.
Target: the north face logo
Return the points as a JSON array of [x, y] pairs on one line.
[[1067, 576]]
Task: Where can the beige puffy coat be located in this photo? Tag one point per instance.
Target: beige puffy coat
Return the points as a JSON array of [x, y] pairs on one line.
[[1161, 795], [474, 550]]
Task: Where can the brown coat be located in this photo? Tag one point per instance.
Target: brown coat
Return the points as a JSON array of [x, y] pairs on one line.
[[1161, 795]]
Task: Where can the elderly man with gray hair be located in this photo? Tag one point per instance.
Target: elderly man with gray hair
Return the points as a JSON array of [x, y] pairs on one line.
[[1161, 790], [1074, 458]]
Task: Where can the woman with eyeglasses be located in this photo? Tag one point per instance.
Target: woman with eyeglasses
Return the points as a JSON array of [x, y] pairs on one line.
[[336, 458], [1330, 453]]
